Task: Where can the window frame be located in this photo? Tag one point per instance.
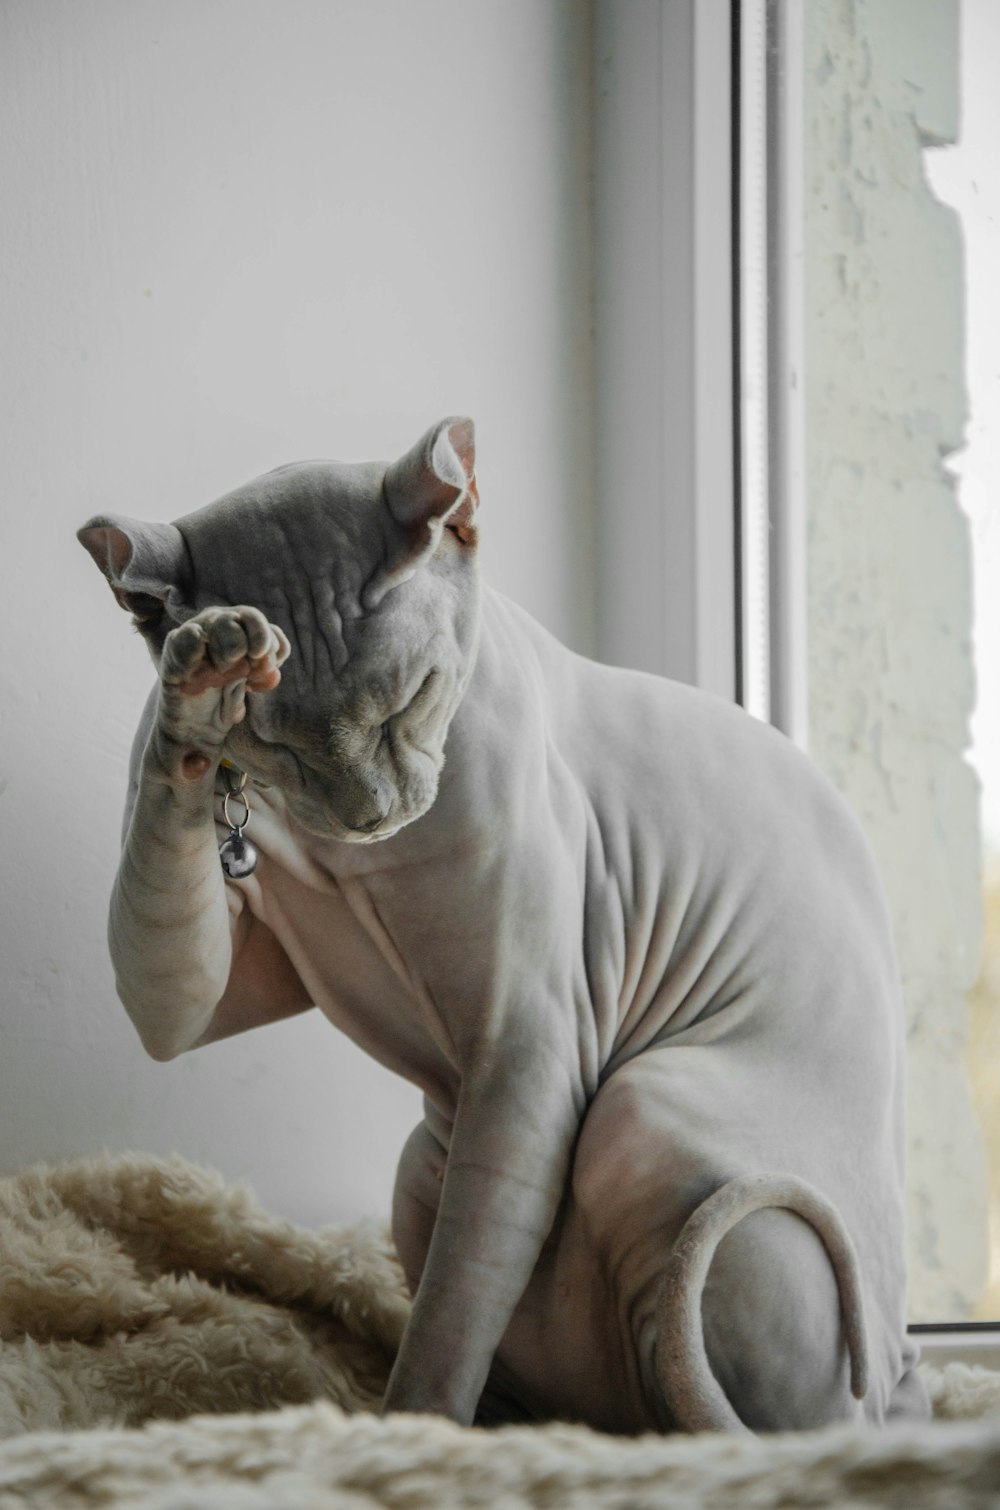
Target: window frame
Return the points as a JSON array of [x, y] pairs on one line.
[[705, 96], [663, 200]]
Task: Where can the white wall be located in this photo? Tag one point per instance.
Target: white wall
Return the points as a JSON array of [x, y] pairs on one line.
[[238, 232]]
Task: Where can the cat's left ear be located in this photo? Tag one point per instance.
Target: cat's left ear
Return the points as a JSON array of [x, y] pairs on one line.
[[429, 490], [146, 565]]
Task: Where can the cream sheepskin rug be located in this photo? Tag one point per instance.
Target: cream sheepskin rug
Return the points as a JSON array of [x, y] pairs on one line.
[[136, 1295]]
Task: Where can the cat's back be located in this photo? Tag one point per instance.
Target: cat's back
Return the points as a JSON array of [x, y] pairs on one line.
[[670, 758], [709, 834]]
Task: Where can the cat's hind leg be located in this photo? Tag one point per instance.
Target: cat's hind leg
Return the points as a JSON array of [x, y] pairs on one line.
[[415, 1200], [667, 1131]]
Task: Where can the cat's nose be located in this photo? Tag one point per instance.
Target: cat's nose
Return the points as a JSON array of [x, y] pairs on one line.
[[370, 806], [378, 808]]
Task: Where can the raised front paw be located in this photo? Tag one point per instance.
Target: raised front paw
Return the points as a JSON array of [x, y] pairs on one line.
[[207, 666]]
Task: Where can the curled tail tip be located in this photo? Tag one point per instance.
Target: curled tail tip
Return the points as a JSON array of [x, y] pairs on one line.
[[859, 1369]]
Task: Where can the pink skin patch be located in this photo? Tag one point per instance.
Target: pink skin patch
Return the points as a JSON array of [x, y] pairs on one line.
[[261, 675], [195, 764]]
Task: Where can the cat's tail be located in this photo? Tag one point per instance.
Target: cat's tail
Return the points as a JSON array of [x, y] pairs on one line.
[[690, 1390]]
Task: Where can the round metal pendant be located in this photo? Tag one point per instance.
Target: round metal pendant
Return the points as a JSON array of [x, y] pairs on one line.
[[238, 856]]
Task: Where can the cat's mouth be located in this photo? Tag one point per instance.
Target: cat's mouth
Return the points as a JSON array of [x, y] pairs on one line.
[[329, 826], [378, 835], [323, 815], [323, 820]]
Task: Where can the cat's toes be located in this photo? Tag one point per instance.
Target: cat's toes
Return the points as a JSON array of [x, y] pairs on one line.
[[220, 646], [184, 651]]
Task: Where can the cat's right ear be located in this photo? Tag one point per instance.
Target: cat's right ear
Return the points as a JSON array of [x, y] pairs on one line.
[[146, 565]]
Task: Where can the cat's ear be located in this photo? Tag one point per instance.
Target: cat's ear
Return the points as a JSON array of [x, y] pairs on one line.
[[146, 565], [433, 486], [431, 489]]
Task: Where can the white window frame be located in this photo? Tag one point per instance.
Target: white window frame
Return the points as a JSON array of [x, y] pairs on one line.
[[664, 300], [686, 284]]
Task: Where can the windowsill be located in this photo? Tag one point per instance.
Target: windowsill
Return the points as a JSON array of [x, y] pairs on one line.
[[953, 1345]]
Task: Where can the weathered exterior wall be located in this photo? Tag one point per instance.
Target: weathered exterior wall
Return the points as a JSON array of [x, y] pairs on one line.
[[890, 662]]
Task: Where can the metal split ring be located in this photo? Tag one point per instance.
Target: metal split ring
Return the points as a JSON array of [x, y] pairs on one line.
[[237, 828], [235, 780]]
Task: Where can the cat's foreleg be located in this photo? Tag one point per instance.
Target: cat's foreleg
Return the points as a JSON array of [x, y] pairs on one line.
[[169, 924], [506, 1171]]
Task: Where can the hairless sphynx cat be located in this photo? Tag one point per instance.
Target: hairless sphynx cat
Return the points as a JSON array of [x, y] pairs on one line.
[[628, 942]]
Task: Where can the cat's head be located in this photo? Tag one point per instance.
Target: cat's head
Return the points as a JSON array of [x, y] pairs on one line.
[[371, 571]]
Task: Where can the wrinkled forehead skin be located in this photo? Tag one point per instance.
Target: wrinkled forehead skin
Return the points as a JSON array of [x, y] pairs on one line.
[[312, 533]]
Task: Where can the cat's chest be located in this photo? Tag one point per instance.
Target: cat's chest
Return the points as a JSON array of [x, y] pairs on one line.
[[426, 955], [355, 945]]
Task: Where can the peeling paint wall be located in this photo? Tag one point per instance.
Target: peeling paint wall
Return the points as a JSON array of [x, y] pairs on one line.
[[890, 597]]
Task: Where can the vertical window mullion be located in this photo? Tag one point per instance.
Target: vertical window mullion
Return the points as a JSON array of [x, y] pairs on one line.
[[664, 345], [750, 180], [716, 465], [788, 649]]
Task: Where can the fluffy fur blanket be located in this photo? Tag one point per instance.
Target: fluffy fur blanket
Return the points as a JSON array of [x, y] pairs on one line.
[[136, 1294]]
